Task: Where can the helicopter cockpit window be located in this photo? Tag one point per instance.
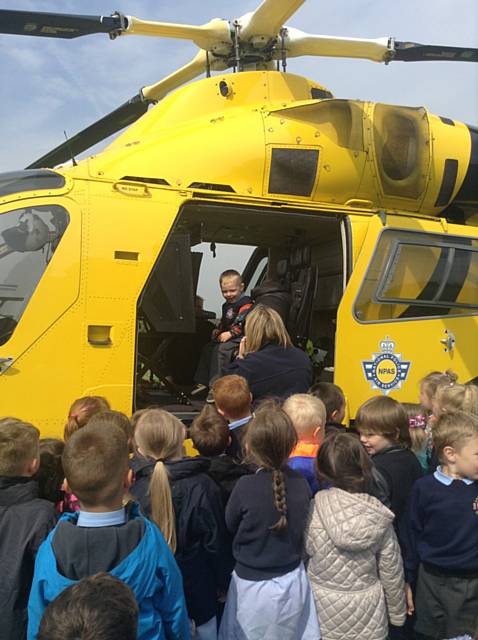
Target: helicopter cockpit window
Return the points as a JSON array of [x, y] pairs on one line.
[[414, 275], [29, 180], [28, 239]]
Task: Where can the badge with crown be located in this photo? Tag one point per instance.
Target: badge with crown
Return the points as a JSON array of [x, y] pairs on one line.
[[386, 371]]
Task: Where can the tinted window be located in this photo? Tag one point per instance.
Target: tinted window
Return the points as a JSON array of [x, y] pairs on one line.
[[417, 275], [30, 180], [28, 239]]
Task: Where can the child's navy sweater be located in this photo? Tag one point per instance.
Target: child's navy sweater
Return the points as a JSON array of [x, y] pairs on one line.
[[442, 530], [260, 552]]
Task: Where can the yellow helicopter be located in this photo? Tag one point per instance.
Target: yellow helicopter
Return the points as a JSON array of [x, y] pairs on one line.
[[365, 213]]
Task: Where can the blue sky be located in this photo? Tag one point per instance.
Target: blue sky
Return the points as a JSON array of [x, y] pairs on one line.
[[53, 85]]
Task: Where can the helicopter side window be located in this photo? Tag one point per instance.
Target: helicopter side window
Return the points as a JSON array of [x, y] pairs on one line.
[[28, 239], [29, 180], [413, 276]]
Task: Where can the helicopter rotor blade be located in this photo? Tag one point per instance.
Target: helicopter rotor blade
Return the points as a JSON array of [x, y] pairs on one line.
[[126, 114], [299, 43], [190, 71], [385, 49], [206, 36], [121, 117], [268, 18], [416, 52], [59, 25]]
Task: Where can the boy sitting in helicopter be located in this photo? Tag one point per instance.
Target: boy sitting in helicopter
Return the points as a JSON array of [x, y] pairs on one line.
[[217, 354]]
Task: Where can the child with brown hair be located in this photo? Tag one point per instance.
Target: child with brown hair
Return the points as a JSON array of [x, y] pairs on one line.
[[118, 419], [354, 565], [217, 354], [210, 436], [25, 521], [334, 400], [81, 411], [383, 427], [308, 416], [233, 399], [107, 536], [186, 504], [442, 542], [270, 594], [100, 607], [50, 475]]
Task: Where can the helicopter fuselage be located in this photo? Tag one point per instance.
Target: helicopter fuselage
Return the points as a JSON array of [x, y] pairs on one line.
[[369, 208]]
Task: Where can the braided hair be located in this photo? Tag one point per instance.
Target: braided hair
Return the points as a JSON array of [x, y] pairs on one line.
[[269, 441]]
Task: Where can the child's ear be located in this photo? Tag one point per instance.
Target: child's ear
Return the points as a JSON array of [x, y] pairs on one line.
[[66, 487], [128, 479], [334, 415], [229, 440], [220, 411], [449, 453], [318, 432], [32, 467]]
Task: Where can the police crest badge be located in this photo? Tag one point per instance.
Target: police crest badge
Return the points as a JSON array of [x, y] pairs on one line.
[[386, 370]]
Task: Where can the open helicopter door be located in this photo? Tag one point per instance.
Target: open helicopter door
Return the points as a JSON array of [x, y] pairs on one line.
[[410, 307], [39, 283]]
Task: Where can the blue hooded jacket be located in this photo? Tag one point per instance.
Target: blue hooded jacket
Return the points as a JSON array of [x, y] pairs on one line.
[[149, 570]]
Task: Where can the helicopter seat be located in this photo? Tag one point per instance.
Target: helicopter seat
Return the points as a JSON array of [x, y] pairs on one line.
[[303, 286], [274, 294]]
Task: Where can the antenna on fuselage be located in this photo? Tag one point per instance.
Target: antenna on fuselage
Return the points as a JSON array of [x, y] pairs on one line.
[[74, 162]]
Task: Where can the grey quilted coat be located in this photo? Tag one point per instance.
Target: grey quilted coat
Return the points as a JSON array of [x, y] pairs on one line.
[[355, 566]]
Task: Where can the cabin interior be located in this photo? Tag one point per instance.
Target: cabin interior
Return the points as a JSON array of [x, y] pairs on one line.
[[299, 254]]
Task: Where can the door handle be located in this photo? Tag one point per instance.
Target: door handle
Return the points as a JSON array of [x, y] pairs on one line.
[[449, 341], [5, 363]]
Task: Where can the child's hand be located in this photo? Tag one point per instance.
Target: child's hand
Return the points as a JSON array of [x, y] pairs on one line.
[[409, 599], [224, 336], [215, 333]]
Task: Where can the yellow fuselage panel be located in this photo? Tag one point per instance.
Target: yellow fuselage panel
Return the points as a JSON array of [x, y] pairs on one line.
[[369, 155], [77, 334]]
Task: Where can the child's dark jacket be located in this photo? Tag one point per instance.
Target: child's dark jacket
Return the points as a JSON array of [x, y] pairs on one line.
[[135, 552], [25, 521], [400, 469], [202, 547], [226, 471], [234, 315]]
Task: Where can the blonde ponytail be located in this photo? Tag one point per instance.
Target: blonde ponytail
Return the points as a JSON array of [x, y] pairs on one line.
[[160, 435], [162, 510]]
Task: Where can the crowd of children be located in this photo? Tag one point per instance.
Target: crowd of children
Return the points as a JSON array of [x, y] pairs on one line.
[[287, 524]]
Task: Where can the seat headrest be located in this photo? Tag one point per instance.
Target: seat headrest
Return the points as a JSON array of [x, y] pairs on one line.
[[282, 268]]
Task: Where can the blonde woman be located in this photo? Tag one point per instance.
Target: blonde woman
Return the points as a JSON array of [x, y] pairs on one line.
[[175, 492], [268, 360]]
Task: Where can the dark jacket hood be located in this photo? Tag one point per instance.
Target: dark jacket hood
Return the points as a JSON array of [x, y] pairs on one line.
[[74, 550], [15, 490]]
